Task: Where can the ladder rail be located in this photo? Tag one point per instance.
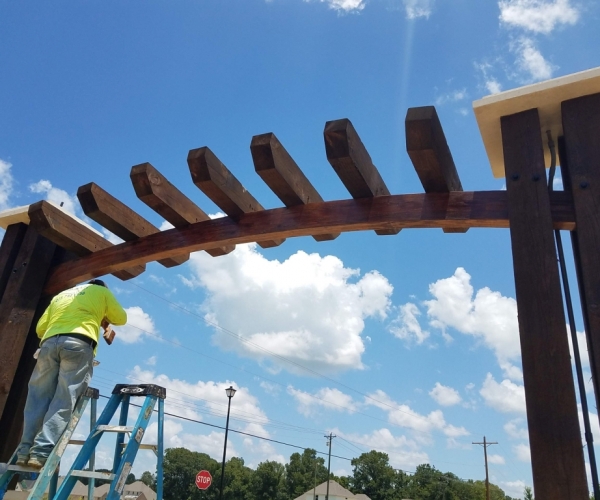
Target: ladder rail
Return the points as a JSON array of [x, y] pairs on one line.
[[160, 455], [86, 450], [130, 452]]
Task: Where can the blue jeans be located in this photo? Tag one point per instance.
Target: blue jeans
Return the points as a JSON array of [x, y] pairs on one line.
[[62, 373]]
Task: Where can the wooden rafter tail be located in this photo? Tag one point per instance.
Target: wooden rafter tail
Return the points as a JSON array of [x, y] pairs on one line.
[[155, 190], [118, 218], [352, 163], [430, 155], [215, 180], [63, 230], [281, 173]]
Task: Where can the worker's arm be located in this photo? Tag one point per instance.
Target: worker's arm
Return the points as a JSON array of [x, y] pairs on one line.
[[115, 313]]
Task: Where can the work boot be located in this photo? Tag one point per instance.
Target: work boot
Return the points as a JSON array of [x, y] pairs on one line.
[[36, 462], [22, 461]]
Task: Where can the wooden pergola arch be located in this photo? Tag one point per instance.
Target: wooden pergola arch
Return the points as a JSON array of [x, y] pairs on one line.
[[45, 250]]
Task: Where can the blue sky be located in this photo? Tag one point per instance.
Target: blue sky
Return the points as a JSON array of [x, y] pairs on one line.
[[407, 344]]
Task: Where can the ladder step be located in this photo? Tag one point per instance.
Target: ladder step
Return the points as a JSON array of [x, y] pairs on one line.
[[20, 468], [79, 442], [153, 447], [93, 474], [114, 428]]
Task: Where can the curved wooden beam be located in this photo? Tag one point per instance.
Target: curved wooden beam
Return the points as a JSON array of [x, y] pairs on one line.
[[433, 210]]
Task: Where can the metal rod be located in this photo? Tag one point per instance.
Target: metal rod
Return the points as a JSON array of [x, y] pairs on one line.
[[225, 449], [160, 452], [589, 438]]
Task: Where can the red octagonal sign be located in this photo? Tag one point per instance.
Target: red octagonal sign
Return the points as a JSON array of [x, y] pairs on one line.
[[203, 479]]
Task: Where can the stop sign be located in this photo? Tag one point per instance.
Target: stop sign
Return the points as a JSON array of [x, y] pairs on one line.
[[203, 479]]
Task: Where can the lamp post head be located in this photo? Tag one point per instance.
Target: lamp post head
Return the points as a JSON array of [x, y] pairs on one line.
[[230, 391]]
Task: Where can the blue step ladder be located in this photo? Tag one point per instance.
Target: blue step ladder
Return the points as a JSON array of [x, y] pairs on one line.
[[47, 477], [125, 453]]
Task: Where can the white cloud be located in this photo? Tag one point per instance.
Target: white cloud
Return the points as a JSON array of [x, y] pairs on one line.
[[332, 399], [538, 16], [513, 488], [200, 399], [491, 83], [496, 459], [531, 60], [151, 361], [404, 416], [404, 453], [506, 397], [6, 184], [454, 96], [56, 195], [444, 395], [418, 8], [487, 316], [522, 452], [309, 309], [270, 388], [514, 430], [138, 324], [344, 5], [406, 326]]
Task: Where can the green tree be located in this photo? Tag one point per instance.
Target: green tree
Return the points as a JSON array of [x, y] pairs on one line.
[[375, 477], [301, 471], [528, 493], [130, 478], [149, 479], [180, 468], [268, 482], [237, 481]]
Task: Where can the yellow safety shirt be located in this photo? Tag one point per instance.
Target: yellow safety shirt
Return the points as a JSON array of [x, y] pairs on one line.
[[80, 309]]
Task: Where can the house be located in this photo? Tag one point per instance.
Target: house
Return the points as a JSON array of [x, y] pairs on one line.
[[133, 491], [336, 492]]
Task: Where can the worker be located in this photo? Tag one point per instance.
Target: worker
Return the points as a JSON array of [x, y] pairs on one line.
[[69, 331]]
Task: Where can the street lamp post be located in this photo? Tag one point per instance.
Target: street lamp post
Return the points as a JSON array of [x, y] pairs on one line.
[[230, 392]]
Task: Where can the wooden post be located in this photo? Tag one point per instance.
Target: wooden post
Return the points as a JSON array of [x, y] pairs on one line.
[[554, 434], [19, 303], [581, 171]]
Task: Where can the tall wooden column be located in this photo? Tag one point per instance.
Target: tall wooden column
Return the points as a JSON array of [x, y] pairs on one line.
[[26, 257], [554, 435], [581, 169]]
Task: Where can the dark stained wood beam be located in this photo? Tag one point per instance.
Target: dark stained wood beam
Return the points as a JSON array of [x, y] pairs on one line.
[[457, 209], [215, 180], [554, 435], [352, 163], [118, 218], [65, 231], [581, 175], [19, 303], [8, 251], [281, 173], [155, 190], [429, 152]]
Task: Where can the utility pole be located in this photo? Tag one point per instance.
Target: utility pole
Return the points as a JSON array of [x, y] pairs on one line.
[[485, 444], [329, 439]]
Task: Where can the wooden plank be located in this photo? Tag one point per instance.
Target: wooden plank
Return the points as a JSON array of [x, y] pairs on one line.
[[554, 434], [215, 180], [118, 218], [8, 251], [11, 421], [581, 174], [281, 173], [352, 163], [155, 190], [469, 209], [19, 303], [429, 152], [65, 231]]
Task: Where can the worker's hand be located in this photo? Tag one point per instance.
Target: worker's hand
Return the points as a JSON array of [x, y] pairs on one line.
[[105, 324]]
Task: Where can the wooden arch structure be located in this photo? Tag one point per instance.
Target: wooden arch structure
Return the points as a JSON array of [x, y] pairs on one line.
[[45, 250]]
